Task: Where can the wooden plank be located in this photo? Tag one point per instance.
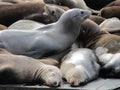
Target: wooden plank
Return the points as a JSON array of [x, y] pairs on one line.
[[99, 84]]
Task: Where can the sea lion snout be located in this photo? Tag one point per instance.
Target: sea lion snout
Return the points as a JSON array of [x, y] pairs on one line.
[[52, 76], [87, 12]]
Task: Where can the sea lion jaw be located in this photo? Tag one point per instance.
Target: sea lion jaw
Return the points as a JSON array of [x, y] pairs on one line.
[[76, 76], [52, 76]]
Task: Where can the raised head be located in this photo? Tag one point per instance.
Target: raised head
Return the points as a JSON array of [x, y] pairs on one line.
[[74, 17]]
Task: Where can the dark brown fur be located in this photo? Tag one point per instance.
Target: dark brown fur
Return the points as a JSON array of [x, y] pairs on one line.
[[92, 37], [11, 13], [109, 12]]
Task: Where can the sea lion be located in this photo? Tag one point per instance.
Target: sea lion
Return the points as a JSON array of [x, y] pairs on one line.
[[72, 4], [109, 12], [110, 63], [113, 3], [46, 42], [94, 37], [26, 25], [110, 23], [80, 66], [49, 61], [18, 11], [53, 12], [18, 69], [39, 17]]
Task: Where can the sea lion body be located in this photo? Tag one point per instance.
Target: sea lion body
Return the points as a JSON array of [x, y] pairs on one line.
[[107, 12], [80, 66], [16, 69], [18, 11], [45, 40], [110, 63], [95, 37]]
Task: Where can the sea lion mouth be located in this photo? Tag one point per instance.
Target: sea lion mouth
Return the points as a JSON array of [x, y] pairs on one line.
[[87, 15]]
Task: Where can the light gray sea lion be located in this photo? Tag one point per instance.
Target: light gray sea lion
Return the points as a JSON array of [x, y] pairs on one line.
[[110, 63], [110, 23], [54, 38], [80, 66], [18, 69]]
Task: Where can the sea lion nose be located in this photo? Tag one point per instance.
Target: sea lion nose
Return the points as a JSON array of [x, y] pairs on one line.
[[55, 84]]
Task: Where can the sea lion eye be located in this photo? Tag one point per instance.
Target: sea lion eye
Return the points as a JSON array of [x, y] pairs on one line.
[[82, 12]]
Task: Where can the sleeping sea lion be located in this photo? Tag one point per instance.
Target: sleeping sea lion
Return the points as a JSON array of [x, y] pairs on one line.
[[18, 69], [109, 12], [45, 41], [15, 12], [72, 4], [110, 63], [26, 25], [80, 66]]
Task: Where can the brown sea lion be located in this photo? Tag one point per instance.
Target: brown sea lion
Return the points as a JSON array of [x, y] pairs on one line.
[[109, 12], [113, 3], [80, 66], [45, 40], [54, 12], [18, 11], [49, 61], [110, 23], [92, 37], [18, 69], [72, 4], [51, 14]]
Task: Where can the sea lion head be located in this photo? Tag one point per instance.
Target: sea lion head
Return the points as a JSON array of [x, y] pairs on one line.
[[76, 76], [74, 16], [54, 12], [51, 75]]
